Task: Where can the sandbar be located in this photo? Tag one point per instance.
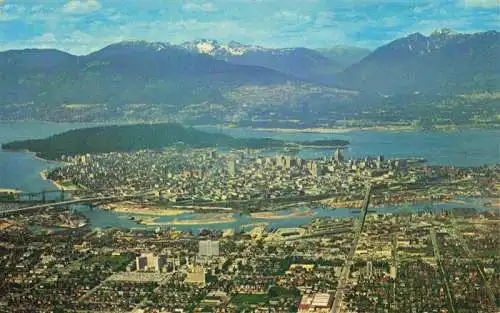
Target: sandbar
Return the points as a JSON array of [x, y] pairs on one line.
[[136, 209], [204, 221], [276, 216]]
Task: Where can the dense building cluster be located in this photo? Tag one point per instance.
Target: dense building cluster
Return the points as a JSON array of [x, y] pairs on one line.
[[51, 261], [177, 174], [444, 262]]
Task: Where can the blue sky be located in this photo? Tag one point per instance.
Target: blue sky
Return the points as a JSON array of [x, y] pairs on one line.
[[82, 26]]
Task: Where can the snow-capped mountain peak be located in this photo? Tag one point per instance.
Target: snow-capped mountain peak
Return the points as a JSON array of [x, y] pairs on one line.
[[217, 49], [443, 32]]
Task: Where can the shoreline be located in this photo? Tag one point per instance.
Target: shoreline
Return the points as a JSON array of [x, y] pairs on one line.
[[43, 175], [343, 204], [334, 130], [342, 129], [36, 157]]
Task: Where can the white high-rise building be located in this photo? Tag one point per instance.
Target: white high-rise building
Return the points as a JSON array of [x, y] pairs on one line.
[[208, 248], [231, 167], [369, 269], [337, 156]]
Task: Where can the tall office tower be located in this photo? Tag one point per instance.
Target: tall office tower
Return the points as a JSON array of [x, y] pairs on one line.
[[231, 167], [289, 162], [268, 161], [315, 169], [369, 269], [208, 248], [280, 161], [300, 162], [160, 262], [337, 156], [141, 263]]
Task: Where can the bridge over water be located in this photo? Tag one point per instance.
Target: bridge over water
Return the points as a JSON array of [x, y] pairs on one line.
[[63, 203]]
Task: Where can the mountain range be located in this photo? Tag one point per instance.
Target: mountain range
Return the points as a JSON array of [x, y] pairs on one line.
[[209, 81], [444, 62], [345, 55], [131, 72], [305, 63]]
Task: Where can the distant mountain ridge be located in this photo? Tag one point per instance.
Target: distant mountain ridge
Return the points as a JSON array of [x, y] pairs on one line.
[[300, 62], [345, 55], [443, 62], [133, 72], [209, 82]]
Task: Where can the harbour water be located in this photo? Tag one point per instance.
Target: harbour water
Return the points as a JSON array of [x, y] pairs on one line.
[[20, 170], [472, 147]]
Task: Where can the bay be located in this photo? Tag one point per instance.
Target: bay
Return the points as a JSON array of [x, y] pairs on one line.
[[471, 147], [21, 170]]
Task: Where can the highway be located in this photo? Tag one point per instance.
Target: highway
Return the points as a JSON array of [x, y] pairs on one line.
[[346, 269], [439, 259], [393, 305]]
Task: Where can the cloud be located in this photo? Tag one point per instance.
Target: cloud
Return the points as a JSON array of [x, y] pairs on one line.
[[36, 8], [274, 23], [324, 21], [428, 26], [203, 7], [425, 7], [481, 3], [390, 21], [10, 12], [76, 42], [44, 39], [81, 6], [291, 16]]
